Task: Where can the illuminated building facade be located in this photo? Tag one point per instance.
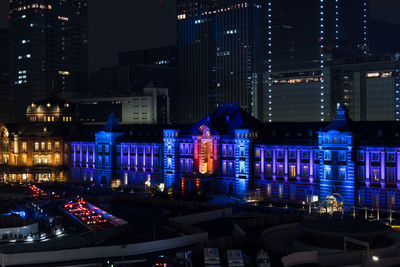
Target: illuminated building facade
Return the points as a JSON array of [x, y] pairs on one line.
[[222, 51], [48, 49], [127, 154], [37, 151], [152, 106], [228, 151]]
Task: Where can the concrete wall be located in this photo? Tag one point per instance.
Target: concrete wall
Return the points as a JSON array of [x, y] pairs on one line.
[[101, 252], [23, 230]]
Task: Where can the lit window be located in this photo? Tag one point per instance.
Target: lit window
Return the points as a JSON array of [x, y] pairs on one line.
[[57, 159], [327, 173], [36, 146], [342, 174], [63, 72], [327, 155], [292, 171], [23, 147], [49, 146], [375, 174], [342, 155], [24, 158]]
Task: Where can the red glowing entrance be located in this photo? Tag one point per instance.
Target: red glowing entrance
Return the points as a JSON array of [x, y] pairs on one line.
[[205, 151]]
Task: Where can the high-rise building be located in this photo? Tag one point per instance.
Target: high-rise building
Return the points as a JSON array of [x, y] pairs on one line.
[[368, 87], [135, 70], [48, 48], [165, 56], [6, 101], [221, 55], [150, 107], [309, 38]]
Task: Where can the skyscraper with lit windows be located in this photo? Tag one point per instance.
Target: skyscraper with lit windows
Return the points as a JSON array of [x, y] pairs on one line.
[[48, 48], [305, 40], [221, 55]]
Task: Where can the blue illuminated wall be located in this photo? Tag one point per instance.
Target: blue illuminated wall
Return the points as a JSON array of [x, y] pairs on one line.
[[239, 162], [106, 169], [336, 166], [170, 160], [243, 160], [138, 163]]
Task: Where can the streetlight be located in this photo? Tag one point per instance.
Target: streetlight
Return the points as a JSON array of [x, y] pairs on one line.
[[377, 259]]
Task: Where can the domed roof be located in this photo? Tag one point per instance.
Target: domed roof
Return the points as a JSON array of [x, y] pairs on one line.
[[50, 104]]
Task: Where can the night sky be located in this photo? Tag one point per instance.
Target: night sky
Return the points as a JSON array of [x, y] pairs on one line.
[[123, 25]]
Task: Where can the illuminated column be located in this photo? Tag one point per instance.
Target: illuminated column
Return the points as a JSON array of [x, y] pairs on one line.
[[215, 150], [74, 146], [311, 167], [286, 162], [398, 167], [136, 157], [144, 158], [87, 156], [80, 156], [129, 157], [269, 58], [122, 156], [367, 165], [274, 161], [152, 158], [298, 162], [262, 151], [195, 151], [94, 156], [383, 180]]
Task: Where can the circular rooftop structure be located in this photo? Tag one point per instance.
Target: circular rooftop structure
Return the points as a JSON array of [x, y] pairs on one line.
[[330, 232], [51, 109], [328, 227]]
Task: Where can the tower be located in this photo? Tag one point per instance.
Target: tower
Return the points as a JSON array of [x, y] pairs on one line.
[[106, 149], [48, 45], [221, 55], [336, 163], [171, 143], [243, 159]]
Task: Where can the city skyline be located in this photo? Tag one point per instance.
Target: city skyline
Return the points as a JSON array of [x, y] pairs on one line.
[[200, 133], [166, 34], [106, 44]]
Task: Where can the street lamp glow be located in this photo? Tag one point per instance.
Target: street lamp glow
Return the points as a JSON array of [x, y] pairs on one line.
[[375, 258]]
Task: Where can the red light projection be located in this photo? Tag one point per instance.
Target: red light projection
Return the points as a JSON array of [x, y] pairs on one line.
[[205, 151]]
